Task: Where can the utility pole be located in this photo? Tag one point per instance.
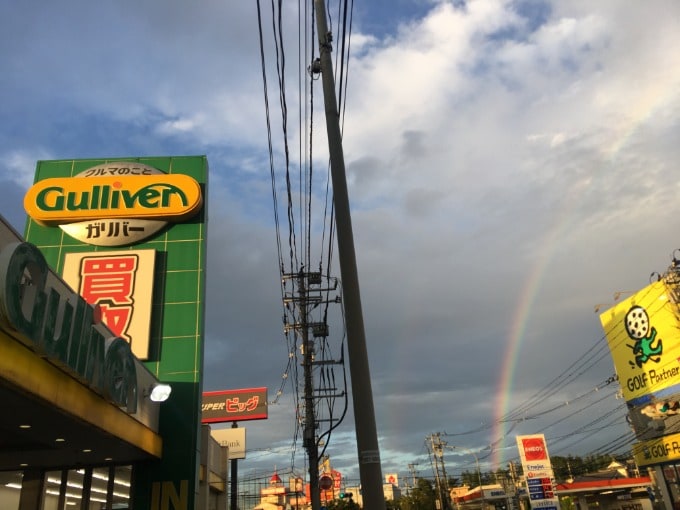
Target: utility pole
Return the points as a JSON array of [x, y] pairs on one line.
[[308, 294], [437, 479], [412, 469], [442, 482], [445, 485], [513, 476], [309, 433], [370, 471]]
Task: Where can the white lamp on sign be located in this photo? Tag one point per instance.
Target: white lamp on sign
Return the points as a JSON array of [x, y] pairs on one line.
[[159, 392]]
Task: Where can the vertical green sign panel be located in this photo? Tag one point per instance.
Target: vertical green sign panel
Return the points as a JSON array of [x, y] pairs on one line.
[[177, 321]]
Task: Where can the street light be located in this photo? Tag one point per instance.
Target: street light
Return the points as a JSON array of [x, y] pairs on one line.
[[479, 472]]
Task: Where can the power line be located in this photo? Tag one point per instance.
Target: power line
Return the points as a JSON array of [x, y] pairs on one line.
[[320, 394]]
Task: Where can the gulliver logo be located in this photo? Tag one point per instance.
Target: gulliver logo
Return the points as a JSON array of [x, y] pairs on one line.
[[57, 201], [114, 204], [646, 346], [534, 449]]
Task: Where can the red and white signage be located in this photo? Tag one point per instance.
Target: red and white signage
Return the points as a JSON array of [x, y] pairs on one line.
[[540, 480], [121, 283], [234, 405], [337, 479], [534, 448]]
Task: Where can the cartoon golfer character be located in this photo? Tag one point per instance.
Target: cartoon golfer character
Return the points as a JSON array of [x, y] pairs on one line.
[[637, 327]]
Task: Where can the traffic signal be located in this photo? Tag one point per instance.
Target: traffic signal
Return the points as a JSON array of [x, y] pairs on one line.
[[661, 409], [347, 495]]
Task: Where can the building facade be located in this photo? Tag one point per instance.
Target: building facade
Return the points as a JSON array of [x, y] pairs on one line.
[[102, 303]]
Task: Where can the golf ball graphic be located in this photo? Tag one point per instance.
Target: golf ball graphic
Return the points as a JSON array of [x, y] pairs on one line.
[[637, 322]]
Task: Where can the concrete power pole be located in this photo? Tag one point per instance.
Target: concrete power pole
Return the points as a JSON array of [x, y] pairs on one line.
[[307, 294], [441, 481], [437, 478], [412, 469], [370, 471], [309, 433]]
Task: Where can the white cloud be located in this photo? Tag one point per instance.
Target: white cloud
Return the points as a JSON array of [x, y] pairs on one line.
[[19, 165], [177, 126]]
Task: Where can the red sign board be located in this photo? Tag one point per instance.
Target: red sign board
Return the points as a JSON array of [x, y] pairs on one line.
[[534, 449], [337, 479], [234, 405]]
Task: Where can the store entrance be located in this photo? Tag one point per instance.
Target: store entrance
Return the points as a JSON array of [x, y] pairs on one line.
[[91, 488]]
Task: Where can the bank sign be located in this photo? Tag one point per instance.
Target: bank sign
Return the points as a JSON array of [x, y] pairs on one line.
[[234, 439], [642, 335], [114, 204]]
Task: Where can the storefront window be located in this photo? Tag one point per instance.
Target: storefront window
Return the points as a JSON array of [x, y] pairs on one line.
[[54, 495], [10, 489], [99, 486], [103, 487], [670, 474], [120, 496]]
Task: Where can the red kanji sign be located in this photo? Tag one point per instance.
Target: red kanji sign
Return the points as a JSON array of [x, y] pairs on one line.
[[108, 278], [110, 283], [120, 284]]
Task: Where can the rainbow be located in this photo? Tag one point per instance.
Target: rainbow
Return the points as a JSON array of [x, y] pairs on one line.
[[655, 97], [518, 328]]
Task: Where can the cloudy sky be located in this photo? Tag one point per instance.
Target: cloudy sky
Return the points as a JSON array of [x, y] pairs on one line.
[[512, 165]]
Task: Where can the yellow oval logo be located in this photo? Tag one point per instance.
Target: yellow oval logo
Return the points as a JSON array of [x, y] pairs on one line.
[[171, 197]]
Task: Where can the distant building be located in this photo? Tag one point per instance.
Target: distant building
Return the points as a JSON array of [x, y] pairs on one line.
[[279, 497], [391, 491], [609, 489], [485, 497]]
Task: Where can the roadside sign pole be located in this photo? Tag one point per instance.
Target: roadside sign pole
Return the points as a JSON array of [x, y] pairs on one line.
[[234, 478]]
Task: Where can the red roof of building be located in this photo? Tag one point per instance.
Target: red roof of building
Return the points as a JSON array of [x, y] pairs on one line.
[[604, 484]]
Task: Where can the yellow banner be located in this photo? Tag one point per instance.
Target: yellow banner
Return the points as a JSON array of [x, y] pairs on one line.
[[643, 336], [170, 197], [657, 451]]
